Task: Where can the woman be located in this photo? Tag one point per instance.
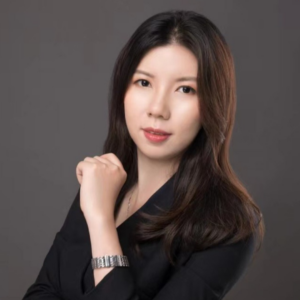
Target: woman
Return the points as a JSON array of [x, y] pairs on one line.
[[163, 200]]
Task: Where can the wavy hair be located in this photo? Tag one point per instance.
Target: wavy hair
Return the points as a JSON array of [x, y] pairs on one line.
[[211, 205]]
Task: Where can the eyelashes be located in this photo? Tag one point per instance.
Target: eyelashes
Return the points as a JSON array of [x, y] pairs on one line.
[[193, 91]]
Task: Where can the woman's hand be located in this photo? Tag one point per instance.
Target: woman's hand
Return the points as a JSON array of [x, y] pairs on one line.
[[101, 179]]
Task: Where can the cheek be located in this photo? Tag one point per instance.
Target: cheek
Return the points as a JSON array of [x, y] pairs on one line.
[[188, 124], [189, 119], [134, 102], [132, 111], [127, 107], [128, 104]]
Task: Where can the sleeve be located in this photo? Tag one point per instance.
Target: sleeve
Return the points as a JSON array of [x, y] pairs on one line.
[[47, 283], [206, 275]]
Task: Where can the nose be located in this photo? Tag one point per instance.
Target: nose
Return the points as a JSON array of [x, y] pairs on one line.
[[159, 106]]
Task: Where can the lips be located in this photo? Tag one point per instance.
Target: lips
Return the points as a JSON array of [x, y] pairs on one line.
[[156, 131], [155, 137]]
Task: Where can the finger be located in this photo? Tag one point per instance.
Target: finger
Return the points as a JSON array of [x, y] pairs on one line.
[[90, 159], [103, 160], [81, 166], [112, 158]]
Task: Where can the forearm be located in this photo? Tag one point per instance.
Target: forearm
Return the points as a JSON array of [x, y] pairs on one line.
[[104, 241]]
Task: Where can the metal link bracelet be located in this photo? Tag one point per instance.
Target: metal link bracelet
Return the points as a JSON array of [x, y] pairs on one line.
[[109, 261]]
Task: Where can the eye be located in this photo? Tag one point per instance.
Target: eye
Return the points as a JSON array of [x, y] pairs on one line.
[[142, 80], [186, 88]]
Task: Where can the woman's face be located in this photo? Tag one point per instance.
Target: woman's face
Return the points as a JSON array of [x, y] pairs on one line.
[[157, 99]]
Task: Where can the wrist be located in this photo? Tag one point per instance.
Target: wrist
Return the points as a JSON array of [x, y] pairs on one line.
[[96, 222]]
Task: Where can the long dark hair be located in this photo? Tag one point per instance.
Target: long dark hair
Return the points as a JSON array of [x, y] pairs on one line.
[[211, 205]]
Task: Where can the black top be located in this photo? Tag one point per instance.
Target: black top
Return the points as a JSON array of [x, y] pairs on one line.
[[66, 272]]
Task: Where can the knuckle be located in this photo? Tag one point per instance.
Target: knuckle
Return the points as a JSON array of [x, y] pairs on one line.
[[115, 168], [94, 167]]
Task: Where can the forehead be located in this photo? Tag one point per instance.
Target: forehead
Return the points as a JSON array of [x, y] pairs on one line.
[[173, 60]]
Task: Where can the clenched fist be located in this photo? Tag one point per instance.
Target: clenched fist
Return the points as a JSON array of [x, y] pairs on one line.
[[101, 179]]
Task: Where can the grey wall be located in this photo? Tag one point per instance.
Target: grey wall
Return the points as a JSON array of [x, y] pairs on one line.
[[56, 58]]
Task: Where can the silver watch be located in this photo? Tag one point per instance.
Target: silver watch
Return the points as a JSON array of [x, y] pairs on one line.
[[109, 261]]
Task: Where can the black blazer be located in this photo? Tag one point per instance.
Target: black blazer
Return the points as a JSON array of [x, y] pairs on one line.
[[66, 272]]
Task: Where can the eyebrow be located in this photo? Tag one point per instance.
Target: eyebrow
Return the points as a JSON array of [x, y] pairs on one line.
[[186, 78]]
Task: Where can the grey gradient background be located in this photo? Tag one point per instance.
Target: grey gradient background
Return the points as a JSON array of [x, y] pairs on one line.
[[56, 59]]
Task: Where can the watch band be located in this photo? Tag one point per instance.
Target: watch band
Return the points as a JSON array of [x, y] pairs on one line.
[[109, 261]]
